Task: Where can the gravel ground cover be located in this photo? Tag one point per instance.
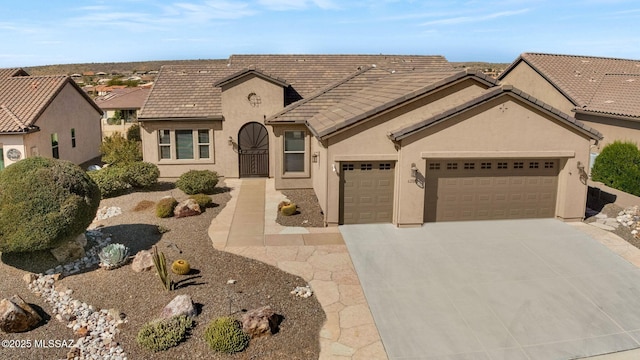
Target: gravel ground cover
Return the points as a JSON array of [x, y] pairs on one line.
[[141, 297], [309, 213]]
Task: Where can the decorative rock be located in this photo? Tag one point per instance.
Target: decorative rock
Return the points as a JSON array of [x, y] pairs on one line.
[[180, 305], [107, 212], [17, 316], [187, 207], [143, 261], [260, 322], [302, 291], [81, 240], [29, 278], [67, 252], [231, 281]]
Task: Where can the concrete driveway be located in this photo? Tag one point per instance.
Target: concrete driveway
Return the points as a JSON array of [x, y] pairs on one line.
[[512, 289]]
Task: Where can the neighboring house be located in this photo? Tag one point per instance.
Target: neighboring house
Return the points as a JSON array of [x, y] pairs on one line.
[[46, 116], [398, 139], [121, 108], [603, 93]]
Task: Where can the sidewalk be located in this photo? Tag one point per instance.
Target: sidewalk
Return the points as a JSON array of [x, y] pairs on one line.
[[247, 227]]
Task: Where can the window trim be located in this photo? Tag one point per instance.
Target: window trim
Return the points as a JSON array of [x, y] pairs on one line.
[[306, 154], [172, 145], [55, 146]]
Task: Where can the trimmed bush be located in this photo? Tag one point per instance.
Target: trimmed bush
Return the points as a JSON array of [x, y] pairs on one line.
[[133, 133], [43, 203], [164, 207], [198, 181], [618, 166], [225, 335], [203, 200], [164, 334], [140, 174], [109, 180], [115, 149]]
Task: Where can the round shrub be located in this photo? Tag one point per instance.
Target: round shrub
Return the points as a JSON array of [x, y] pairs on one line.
[[110, 181], [115, 149], [164, 334], [140, 174], [133, 133], [225, 335], [618, 166], [43, 203], [197, 181], [164, 207], [288, 210], [180, 267], [203, 200]]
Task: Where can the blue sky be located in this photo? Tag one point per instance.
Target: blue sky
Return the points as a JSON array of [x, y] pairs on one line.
[[45, 32]]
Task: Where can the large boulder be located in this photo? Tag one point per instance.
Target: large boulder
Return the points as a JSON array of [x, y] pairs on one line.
[[260, 322], [17, 316], [187, 207], [180, 305], [143, 261]]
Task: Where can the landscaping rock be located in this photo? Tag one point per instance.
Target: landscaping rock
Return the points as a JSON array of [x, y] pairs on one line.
[[180, 305], [143, 261], [260, 322], [17, 316], [187, 207], [70, 251], [302, 291]]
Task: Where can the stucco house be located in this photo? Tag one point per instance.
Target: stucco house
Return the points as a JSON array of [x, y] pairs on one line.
[[603, 93], [46, 116], [121, 108], [404, 140]]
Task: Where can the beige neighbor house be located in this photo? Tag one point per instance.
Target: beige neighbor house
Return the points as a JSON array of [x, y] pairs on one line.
[[603, 93], [121, 109], [46, 116], [405, 141]]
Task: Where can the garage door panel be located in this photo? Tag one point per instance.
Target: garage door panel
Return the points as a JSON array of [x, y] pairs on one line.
[[366, 192]]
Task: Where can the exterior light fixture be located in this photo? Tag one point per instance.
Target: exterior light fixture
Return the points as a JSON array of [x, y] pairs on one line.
[[230, 141], [414, 170], [315, 157]]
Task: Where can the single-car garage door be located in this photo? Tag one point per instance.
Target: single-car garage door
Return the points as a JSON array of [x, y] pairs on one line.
[[472, 189], [366, 192]]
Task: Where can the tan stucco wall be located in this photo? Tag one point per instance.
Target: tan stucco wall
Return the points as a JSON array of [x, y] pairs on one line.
[[68, 110], [612, 129], [525, 78]]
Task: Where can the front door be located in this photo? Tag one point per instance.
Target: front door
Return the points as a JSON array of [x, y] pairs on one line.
[[253, 150]]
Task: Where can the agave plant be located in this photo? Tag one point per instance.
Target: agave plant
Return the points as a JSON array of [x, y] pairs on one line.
[[113, 256]]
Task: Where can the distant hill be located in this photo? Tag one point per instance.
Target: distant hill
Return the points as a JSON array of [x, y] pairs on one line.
[[125, 68]]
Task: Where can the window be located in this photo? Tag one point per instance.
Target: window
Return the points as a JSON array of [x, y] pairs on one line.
[[294, 151], [164, 139], [452, 166], [73, 137], [203, 144], [534, 165], [366, 167], [54, 146], [518, 165], [469, 166], [485, 165], [347, 167], [184, 144], [502, 165], [384, 166], [434, 166], [548, 164]]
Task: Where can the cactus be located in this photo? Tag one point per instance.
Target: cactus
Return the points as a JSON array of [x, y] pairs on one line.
[[288, 210], [225, 335], [164, 334], [180, 267], [113, 256], [161, 267]]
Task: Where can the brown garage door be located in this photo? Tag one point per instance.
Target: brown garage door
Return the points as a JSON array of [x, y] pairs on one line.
[[366, 192], [470, 189]]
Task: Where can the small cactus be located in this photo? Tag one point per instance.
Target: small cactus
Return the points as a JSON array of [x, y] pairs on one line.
[[180, 267], [161, 267], [225, 335], [288, 210]]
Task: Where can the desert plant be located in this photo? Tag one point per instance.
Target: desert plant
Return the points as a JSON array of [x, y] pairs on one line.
[[115, 149], [283, 203], [618, 166], [225, 334], [109, 180], [164, 334], [198, 181], [288, 210], [203, 200], [164, 207], [180, 267], [160, 263], [140, 174], [113, 256], [43, 203], [162, 229], [133, 133]]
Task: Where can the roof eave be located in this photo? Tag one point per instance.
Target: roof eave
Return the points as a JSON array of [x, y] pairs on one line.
[[607, 115], [186, 118]]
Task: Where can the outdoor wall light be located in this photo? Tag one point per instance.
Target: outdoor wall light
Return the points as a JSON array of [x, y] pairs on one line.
[[414, 170], [580, 166], [230, 141], [315, 157]]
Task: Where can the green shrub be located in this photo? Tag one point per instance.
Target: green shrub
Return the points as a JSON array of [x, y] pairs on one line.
[[225, 334], [618, 166], [197, 181], [133, 133], [140, 174], [203, 200], [164, 334], [43, 203], [110, 181], [164, 207], [115, 149]]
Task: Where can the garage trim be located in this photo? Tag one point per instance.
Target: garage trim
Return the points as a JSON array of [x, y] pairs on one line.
[[497, 154]]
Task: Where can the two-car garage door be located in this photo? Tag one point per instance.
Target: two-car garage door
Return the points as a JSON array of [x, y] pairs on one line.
[[472, 189]]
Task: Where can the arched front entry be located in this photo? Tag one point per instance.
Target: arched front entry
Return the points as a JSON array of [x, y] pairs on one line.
[[253, 150]]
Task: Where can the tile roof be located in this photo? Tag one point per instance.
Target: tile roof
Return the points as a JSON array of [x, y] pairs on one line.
[[618, 95], [577, 77], [187, 91], [488, 95], [24, 98], [244, 72], [127, 98], [365, 94], [5, 73]]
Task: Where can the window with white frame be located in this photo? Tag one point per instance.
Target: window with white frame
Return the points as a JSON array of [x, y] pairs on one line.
[[184, 144], [204, 144], [73, 137], [164, 140], [294, 148]]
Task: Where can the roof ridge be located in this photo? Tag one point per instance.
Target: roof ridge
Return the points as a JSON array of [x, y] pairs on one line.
[[14, 117], [578, 56]]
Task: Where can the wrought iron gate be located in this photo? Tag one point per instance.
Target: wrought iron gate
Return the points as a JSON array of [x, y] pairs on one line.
[[253, 150]]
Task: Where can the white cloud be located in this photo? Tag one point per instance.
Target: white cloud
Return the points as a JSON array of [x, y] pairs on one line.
[[284, 5], [213, 9], [475, 18]]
